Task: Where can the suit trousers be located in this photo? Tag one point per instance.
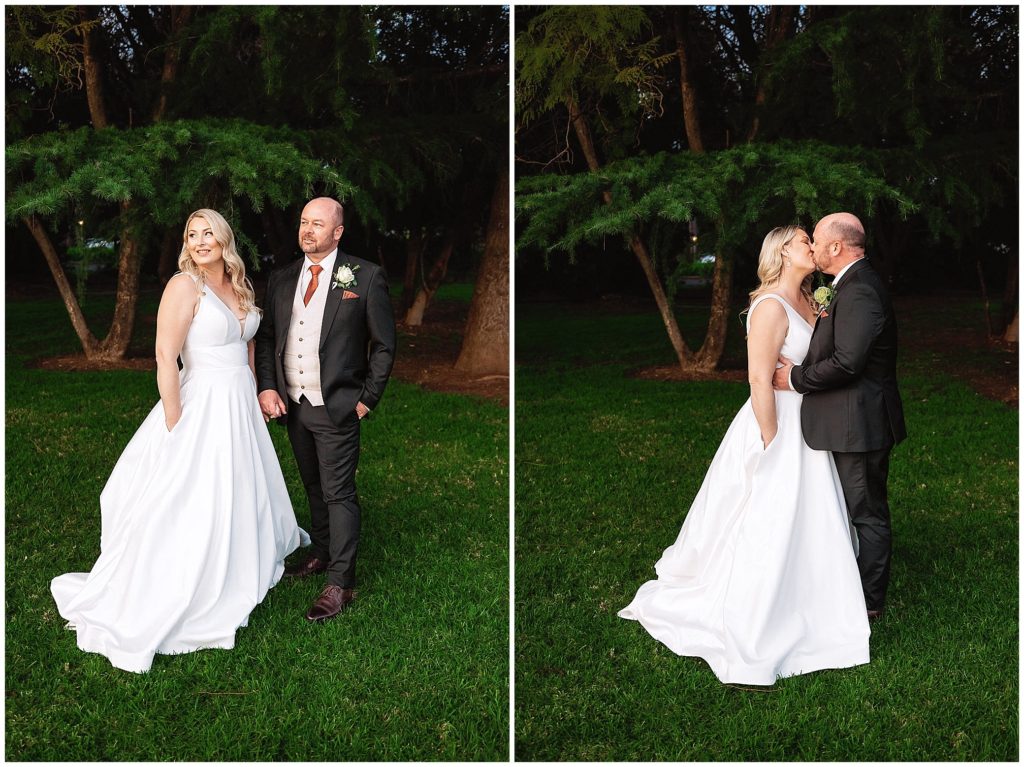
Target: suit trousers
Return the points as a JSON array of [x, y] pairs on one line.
[[864, 477], [327, 456]]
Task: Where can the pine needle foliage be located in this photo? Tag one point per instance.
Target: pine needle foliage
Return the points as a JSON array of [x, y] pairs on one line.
[[215, 163], [748, 188], [577, 51]]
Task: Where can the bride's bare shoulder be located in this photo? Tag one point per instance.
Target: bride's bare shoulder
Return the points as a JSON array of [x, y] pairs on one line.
[[767, 312]]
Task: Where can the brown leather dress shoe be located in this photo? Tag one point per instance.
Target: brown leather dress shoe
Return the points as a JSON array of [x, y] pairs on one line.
[[332, 600], [311, 566]]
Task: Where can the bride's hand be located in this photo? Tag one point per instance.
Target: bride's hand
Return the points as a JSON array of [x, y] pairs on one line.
[[769, 440], [171, 422]]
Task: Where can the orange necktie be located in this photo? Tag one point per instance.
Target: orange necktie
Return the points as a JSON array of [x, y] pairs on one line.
[[311, 289]]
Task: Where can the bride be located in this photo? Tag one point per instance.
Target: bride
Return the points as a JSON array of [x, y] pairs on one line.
[[196, 519], [762, 581]]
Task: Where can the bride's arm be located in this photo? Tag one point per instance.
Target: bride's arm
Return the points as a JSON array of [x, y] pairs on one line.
[[172, 322], [768, 326], [252, 359]]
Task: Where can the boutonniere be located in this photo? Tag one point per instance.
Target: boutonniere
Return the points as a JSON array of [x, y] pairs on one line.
[[345, 276], [823, 297]]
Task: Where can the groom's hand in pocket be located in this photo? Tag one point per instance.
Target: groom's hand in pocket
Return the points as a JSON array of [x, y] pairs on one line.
[[271, 404]]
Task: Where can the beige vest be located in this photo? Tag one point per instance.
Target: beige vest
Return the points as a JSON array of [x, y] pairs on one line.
[[302, 349]]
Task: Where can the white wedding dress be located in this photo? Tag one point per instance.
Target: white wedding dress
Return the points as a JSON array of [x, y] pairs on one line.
[[762, 581], [196, 522]]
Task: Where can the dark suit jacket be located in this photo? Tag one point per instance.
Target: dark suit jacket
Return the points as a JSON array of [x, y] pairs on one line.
[[357, 337], [851, 402]]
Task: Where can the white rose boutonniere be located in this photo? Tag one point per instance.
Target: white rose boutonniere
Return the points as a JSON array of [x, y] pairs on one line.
[[823, 296], [345, 276]]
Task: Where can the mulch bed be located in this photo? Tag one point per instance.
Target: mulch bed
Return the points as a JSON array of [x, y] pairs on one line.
[[993, 369], [426, 356]]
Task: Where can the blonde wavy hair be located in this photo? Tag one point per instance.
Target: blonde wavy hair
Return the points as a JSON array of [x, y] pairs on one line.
[[234, 267], [769, 263]]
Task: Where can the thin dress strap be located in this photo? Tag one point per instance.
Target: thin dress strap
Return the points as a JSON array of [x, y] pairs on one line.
[[761, 298]]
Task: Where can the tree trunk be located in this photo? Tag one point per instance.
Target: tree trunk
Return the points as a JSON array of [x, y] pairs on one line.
[[1010, 294], [780, 22], [115, 345], [180, 16], [485, 345], [414, 249], [718, 324], [67, 293], [1012, 334], [636, 244], [93, 77], [984, 296], [170, 249], [414, 317], [691, 117]]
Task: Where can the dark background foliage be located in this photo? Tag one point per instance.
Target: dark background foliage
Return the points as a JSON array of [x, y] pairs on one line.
[[926, 96]]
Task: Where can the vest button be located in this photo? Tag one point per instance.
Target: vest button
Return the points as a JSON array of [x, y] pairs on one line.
[[300, 356], [301, 322], [300, 339]]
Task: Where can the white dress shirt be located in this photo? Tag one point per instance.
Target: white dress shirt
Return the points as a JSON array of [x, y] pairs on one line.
[[843, 271], [306, 275]]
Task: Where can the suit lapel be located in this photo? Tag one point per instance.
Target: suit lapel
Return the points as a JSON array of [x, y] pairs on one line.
[[283, 302], [331, 305]]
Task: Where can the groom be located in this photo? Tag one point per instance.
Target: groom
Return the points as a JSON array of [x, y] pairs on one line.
[[324, 352], [852, 405]]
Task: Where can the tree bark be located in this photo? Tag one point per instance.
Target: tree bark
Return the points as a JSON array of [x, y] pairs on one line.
[[414, 249], [1012, 334], [115, 345], [170, 249], [710, 353], [780, 22], [485, 344], [180, 16], [414, 317], [67, 293], [93, 76], [1010, 293], [636, 244], [691, 118]]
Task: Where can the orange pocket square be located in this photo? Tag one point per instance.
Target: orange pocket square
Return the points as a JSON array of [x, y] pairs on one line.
[[349, 294]]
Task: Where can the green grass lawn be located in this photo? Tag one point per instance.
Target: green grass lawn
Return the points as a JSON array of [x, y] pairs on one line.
[[416, 670], [606, 468]]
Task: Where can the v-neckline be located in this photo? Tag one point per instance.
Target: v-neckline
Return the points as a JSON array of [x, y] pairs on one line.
[[234, 316], [783, 300]]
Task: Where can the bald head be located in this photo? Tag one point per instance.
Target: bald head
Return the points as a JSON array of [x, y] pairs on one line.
[[838, 240], [320, 227], [331, 206], [845, 227]]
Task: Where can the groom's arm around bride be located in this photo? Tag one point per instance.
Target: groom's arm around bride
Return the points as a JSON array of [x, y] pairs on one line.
[[851, 403]]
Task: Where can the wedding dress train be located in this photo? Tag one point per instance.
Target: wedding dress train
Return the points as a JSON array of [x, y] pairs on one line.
[[762, 581], [196, 522]]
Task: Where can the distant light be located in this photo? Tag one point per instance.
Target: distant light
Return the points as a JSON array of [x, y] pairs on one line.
[[81, 222], [693, 238]]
